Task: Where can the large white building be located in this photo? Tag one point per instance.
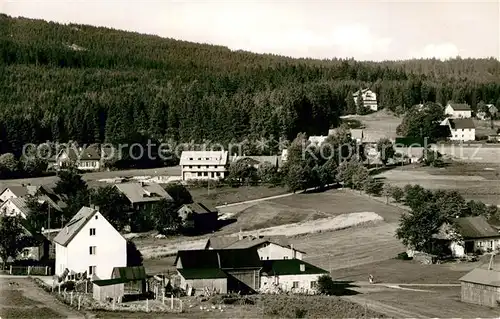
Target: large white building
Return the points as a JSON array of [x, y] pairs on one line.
[[455, 110], [462, 129], [89, 244], [204, 165], [369, 99]]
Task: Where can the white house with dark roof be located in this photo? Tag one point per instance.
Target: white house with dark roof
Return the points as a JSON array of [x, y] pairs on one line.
[[268, 247], [18, 191], [456, 110], [15, 206], [204, 165], [143, 195], [461, 129], [89, 244], [369, 99], [86, 159]]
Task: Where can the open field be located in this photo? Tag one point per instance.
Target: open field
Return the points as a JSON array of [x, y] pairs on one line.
[[379, 124], [440, 302], [336, 207], [24, 299], [475, 181], [220, 196]]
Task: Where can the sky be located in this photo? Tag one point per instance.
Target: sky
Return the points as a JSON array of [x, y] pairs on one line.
[[364, 30]]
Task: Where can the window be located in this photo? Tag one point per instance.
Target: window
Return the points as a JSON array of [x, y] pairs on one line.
[[95, 217], [92, 250], [26, 253], [92, 231], [190, 158], [215, 166], [217, 174], [295, 284], [286, 257], [199, 166], [207, 158], [199, 173], [205, 173], [199, 158], [91, 270], [190, 166], [314, 284]]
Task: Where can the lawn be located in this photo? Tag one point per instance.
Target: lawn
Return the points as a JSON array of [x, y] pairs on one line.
[[440, 302], [222, 195], [381, 124], [475, 181], [21, 298]]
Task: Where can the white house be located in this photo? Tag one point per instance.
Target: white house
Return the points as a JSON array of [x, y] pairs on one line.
[[268, 247], [369, 99], [461, 129], [455, 110], [15, 206], [18, 191], [468, 235], [89, 244], [204, 165], [85, 159], [292, 275]]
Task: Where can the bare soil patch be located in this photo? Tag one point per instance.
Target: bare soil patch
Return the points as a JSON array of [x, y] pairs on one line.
[[23, 299]]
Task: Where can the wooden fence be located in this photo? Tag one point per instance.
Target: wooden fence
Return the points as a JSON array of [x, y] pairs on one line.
[[29, 270]]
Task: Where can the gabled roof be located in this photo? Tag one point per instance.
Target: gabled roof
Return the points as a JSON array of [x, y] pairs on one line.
[[74, 226], [204, 158], [475, 227], [358, 91], [459, 107], [289, 267], [18, 190], [233, 242], [223, 259], [141, 193], [20, 203], [199, 208], [461, 123], [130, 273], [483, 277]]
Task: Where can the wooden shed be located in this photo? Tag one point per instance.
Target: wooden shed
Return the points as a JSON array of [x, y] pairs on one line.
[[134, 278], [108, 289], [482, 287]]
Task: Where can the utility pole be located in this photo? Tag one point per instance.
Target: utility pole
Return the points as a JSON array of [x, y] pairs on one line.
[[48, 221]]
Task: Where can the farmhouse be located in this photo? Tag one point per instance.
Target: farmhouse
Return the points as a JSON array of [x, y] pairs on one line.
[[290, 275], [221, 271], [482, 286], [455, 110], [142, 196], [462, 129], [268, 247], [89, 244], [90, 158], [204, 165], [15, 206], [369, 99], [18, 191], [198, 216], [469, 235]]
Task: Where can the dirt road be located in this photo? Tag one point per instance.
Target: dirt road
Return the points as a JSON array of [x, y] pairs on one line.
[[22, 298]]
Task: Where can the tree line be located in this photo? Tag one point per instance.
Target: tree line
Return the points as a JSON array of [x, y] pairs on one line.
[[88, 84]]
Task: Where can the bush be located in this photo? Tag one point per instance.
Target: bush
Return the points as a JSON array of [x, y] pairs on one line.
[[68, 285], [403, 256], [231, 299]]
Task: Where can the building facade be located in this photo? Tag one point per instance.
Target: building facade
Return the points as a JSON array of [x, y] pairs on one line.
[[461, 129], [455, 110], [89, 244], [204, 165], [369, 99]]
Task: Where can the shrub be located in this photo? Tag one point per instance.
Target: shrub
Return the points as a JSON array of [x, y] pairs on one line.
[[68, 285], [300, 313], [403, 256]]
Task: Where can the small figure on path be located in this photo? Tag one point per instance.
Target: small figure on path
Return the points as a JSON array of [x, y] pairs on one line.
[[370, 278]]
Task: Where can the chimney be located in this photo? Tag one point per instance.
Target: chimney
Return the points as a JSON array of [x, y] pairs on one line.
[[302, 267], [67, 230], [240, 235], [96, 207]]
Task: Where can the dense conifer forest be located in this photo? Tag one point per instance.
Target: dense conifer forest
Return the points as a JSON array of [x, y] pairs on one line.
[[93, 84]]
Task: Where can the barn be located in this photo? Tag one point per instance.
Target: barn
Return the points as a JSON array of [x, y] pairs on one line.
[[221, 271], [107, 289], [482, 286]]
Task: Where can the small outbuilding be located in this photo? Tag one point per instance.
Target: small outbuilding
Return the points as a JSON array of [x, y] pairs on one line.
[[108, 289], [134, 278], [482, 287]]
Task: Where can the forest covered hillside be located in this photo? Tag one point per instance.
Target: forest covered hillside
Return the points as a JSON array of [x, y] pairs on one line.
[[92, 84]]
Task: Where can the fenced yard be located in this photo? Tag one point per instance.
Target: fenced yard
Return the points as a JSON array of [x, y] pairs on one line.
[[28, 270]]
